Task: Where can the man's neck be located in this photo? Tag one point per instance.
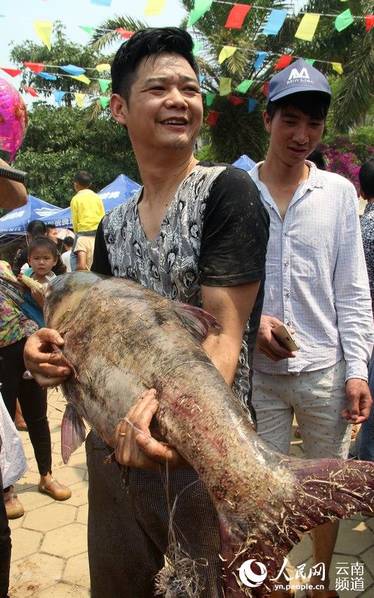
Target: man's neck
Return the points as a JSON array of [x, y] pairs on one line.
[[275, 172]]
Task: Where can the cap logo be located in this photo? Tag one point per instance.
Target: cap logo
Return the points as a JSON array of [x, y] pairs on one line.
[[295, 74]]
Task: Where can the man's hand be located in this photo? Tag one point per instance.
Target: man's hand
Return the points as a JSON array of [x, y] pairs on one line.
[[359, 401], [133, 443], [46, 364], [266, 342]]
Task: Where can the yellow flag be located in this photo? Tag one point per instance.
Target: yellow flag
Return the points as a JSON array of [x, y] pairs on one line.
[[79, 98], [226, 52], [224, 86], [103, 67], [154, 7], [337, 66], [43, 30], [307, 26], [82, 79]]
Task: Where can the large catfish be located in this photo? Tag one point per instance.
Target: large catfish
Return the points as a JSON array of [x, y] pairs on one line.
[[121, 339]]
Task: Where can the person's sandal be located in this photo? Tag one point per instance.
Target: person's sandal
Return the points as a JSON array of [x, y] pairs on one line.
[[55, 490], [13, 506]]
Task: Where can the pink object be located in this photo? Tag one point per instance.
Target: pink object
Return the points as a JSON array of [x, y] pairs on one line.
[[13, 119]]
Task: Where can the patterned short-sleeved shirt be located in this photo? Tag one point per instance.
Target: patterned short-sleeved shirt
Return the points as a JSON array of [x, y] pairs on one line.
[[367, 230]]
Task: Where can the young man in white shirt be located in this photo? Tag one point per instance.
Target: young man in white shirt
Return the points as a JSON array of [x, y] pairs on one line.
[[316, 284]]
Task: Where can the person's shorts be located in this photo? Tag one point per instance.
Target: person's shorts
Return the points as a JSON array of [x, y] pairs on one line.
[[316, 398], [86, 244]]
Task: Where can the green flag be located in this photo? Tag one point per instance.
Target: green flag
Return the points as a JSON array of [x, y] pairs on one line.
[[87, 29], [244, 85], [310, 61], [200, 8], [104, 84], [343, 20], [104, 101], [209, 98]]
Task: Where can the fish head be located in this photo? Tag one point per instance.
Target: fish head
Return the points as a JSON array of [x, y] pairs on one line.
[[64, 294]]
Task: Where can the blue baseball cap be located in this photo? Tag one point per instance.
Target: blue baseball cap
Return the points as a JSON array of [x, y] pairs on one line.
[[299, 76]]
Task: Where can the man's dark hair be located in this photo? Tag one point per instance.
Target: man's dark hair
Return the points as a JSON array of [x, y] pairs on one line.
[[366, 177], [313, 103], [36, 228], [84, 178], [68, 241], [144, 44]]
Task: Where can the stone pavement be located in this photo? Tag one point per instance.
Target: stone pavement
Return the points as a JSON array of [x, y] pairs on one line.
[[49, 557]]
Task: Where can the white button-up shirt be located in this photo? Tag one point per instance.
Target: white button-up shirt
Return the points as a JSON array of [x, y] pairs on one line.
[[316, 278]]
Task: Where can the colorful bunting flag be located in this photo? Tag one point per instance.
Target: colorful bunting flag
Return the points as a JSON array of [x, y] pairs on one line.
[[369, 22], [48, 76], [212, 118], [36, 67], [11, 72], [224, 86], [226, 52], [154, 7], [252, 103], [104, 101], [307, 26], [102, 2], [71, 69], [43, 30], [274, 21], [124, 33], [235, 101], [209, 98], [104, 67], [244, 85], [87, 29], [31, 91], [237, 15], [310, 60], [82, 79], [104, 84], [337, 67], [344, 20], [265, 89], [260, 59], [282, 62], [199, 9], [58, 95], [79, 98]]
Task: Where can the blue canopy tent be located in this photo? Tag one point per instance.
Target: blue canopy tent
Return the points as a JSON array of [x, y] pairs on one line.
[[244, 162], [16, 221], [118, 191]]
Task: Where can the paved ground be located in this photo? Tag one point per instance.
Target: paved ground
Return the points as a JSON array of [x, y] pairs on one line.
[[50, 549]]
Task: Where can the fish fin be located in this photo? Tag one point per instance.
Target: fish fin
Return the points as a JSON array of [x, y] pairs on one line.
[[323, 490], [196, 320], [73, 432]]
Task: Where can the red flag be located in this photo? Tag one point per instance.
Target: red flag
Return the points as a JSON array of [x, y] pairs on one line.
[[235, 101], [212, 118], [282, 62], [36, 67], [236, 16], [124, 33], [11, 72], [31, 91], [369, 22], [265, 89]]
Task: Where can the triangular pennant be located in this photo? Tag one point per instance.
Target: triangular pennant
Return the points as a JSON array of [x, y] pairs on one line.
[[79, 98], [43, 30], [259, 60], [237, 16], [282, 62], [224, 86], [58, 95], [307, 27], [36, 67], [124, 33], [31, 91], [209, 98], [104, 101], [244, 85], [252, 103], [235, 101], [369, 22], [104, 84], [154, 7], [199, 10], [344, 20], [226, 52], [103, 68], [82, 79], [11, 72], [87, 29], [47, 76], [274, 21], [71, 69], [337, 66], [212, 118]]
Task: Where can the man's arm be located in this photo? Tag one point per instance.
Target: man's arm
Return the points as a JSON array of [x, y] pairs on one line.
[[74, 213], [81, 260], [12, 194]]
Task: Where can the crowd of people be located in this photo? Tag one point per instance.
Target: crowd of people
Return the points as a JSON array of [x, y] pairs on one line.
[[279, 249]]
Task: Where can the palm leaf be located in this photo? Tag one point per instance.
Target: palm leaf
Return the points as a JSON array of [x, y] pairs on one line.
[[106, 33]]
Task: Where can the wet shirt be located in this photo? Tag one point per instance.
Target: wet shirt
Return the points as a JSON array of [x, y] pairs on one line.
[[14, 326], [214, 233], [367, 229]]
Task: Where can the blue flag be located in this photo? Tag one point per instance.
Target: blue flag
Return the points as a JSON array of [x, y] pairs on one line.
[[274, 22]]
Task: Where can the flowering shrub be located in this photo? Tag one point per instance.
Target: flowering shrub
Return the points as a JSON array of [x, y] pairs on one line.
[[345, 157]]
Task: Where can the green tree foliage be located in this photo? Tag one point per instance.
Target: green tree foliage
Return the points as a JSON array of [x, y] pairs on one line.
[[60, 141]]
